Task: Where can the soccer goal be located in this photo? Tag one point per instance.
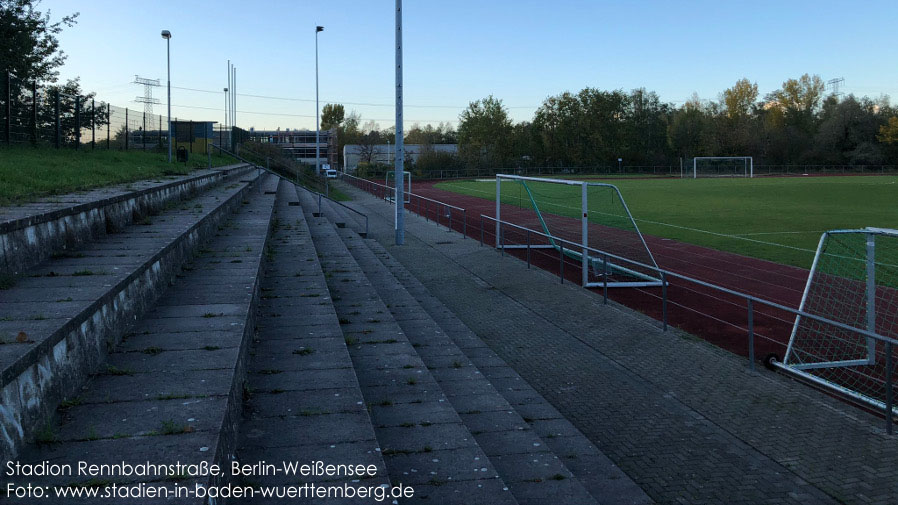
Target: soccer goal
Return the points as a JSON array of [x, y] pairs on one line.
[[391, 183], [587, 222], [853, 281], [722, 166]]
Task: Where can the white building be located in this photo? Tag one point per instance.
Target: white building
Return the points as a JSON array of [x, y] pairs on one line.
[[384, 154]]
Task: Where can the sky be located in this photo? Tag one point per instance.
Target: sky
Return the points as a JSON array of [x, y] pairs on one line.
[[459, 51]]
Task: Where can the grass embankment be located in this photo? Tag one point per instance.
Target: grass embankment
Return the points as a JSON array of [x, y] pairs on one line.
[[779, 219], [27, 174]]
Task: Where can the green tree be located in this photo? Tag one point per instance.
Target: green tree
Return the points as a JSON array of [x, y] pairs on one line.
[[846, 132], [647, 123], [429, 134], [28, 44], [484, 133], [347, 133], [690, 131], [592, 127], [798, 101], [888, 133], [332, 116], [740, 99]]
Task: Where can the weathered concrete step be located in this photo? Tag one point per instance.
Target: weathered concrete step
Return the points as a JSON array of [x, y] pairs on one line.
[[172, 391], [424, 441], [304, 403], [598, 474], [32, 232], [334, 212], [58, 323], [534, 473]]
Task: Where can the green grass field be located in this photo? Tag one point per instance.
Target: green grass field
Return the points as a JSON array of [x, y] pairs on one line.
[[778, 219], [27, 173]]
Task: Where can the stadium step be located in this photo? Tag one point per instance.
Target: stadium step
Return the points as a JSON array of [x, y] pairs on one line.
[[598, 474], [33, 232], [58, 322], [470, 374], [304, 399], [336, 213], [423, 441], [171, 391]]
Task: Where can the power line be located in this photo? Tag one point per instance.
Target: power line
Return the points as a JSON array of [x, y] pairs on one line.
[[307, 115], [367, 104]]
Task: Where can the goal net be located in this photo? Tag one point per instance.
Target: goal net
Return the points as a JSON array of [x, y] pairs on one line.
[[722, 166], [853, 281], [391, 183], [588, 223]]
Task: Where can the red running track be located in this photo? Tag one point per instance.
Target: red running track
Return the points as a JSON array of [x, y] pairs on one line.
[[713, 315]]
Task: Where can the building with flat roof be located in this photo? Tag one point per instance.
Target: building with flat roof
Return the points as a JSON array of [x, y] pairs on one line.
[[300, 144], [384, 154]]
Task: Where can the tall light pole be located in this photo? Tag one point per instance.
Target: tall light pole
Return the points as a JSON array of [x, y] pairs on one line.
[[400, 155], [167, 36], [317, 109], [225, 124]]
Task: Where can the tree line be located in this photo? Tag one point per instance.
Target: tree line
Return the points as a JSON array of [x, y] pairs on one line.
[[798, 124]]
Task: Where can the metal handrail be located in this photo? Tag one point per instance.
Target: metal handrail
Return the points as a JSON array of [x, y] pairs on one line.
[[320, 196], [464, 212], [367, 181], [750, 299], [667, 273], [341, 204]]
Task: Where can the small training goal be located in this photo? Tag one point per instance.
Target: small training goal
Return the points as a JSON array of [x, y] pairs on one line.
[[853, 282], [390, 196], [586, 222]]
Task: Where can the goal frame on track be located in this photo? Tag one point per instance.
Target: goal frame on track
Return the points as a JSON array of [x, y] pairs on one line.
[[748, 160], [407, 190], [793, 364], [583, 255]]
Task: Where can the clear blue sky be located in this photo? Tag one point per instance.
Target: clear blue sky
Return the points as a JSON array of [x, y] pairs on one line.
[[455, 52]]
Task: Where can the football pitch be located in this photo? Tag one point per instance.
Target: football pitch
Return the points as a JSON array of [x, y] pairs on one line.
[[774, 218]]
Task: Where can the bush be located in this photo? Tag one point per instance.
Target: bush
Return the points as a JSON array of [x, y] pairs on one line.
[[431, 163]]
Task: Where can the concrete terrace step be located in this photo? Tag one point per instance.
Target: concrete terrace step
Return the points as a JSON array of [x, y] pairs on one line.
[[304, 403], [423, 440], [58, 322], [172, 390], [526, 462], [31, 233], [598, 474], [337, 214]]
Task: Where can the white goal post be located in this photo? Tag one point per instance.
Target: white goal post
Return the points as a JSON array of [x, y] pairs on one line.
[[390, 182], [587, 222], [745, 169], [853, 282]]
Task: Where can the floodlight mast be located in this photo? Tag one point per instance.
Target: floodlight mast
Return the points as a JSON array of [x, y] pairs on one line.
[[400, 155], [167, 36], [317, 110]]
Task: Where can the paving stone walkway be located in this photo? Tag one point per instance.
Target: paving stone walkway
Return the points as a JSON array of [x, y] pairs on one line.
[[685, 420]]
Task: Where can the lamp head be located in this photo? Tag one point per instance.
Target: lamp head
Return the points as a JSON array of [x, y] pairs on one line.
[[319, 29], [166, 34]]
